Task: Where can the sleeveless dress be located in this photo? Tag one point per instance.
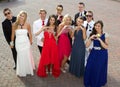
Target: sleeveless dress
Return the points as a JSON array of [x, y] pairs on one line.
[[64, 45], [25, 63], [49, 56], [77, 55], [96, 68]]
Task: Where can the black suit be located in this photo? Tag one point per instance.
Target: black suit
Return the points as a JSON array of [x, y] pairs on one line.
[[59, 20], [7, 30], [77, 15]]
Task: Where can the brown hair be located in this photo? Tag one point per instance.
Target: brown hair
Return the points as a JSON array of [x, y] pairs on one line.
[[81, 3], [94, 30], [82, 18], [6, 10], [60, 6], [48, 23], [43, 10], [90, 12]]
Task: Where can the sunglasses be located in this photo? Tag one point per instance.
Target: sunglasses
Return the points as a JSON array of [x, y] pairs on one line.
[[88, 15], [7, 13]]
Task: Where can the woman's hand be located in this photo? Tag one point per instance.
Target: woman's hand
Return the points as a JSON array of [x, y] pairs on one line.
[[31, 42], [44, 27], [56, 38], [82, 27], [67, 26], [93, 37]]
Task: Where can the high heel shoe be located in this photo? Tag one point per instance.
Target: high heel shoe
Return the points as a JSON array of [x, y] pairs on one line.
[[63, 70]]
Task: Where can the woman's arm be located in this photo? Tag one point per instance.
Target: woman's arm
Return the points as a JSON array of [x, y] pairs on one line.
[[73, 31], [59, 31], [37, 33], [89, 41], [84, 32], [104, 44], [29, 32]]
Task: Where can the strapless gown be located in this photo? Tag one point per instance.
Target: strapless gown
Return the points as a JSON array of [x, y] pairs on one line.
[[25, 63]]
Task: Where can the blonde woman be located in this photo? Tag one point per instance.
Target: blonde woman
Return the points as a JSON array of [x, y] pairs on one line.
[[64, 45], [21, 29]]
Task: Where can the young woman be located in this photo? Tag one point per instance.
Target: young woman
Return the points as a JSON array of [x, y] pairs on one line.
[[96, 68], [21, 29], [49, 61], [64, 45], [78, 49]]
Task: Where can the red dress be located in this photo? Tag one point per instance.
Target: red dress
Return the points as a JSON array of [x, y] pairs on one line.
[[49, 56], [64, 45]]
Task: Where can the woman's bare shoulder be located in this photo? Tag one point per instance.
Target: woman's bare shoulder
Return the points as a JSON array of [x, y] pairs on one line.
[[61, 25]]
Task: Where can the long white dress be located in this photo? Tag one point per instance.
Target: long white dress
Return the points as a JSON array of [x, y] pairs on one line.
[[25, 63]]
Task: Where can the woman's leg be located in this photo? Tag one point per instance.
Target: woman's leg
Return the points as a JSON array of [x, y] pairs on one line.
[[63, 63], [51, 67]]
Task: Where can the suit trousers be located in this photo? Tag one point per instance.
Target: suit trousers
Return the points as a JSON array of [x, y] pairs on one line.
[[14, 53]]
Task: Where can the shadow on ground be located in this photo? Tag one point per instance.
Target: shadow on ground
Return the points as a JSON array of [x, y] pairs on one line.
[[116, 0], [11, 3]]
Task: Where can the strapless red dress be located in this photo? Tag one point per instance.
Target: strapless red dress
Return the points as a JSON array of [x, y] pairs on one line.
[[49, 56]]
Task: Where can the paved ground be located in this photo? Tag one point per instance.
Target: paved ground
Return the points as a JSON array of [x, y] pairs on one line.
[[106, 10]]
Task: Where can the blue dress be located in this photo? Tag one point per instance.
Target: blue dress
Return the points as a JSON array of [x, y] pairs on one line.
[[78, 55], [96, 68]]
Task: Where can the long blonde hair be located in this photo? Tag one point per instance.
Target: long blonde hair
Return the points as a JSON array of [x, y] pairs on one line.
[[65, 18], [18, 18]]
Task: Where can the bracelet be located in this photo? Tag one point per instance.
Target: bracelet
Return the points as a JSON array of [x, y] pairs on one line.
[[11, 43], [99, 39]]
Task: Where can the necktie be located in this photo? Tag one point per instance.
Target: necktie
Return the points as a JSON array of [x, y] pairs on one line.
[[81, 14], [11, 22], [87, 26], [43, 23]]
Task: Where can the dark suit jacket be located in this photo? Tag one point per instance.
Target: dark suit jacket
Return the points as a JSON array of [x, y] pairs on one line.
[[7, 28], [77, 15], [59, 20]]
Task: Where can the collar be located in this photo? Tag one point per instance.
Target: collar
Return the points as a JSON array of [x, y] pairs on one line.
[[91, 22]]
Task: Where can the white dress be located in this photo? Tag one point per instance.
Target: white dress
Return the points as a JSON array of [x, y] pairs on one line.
[[25, 63]]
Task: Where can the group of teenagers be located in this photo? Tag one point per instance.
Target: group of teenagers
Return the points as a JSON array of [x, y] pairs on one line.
[[81, 43]]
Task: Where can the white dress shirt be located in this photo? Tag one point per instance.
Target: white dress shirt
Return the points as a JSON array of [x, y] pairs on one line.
[[82, 13], [88, 32], [37, 25], [90, 27]]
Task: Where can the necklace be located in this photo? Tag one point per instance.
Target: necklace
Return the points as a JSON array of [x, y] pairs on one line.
[[21, 26]]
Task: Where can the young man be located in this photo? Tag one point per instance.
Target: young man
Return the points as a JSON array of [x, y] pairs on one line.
[[7, 30], [81, 13], [88, 24], [37, 25], [59, 10]]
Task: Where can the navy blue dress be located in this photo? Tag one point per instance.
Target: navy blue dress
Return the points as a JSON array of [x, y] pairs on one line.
[[78, 55], [96, 68]]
